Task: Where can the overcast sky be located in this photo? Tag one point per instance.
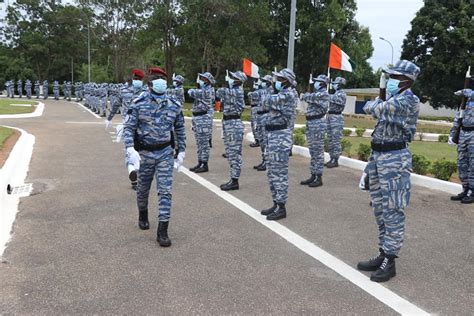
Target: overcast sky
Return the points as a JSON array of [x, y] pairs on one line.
[[389, 19]]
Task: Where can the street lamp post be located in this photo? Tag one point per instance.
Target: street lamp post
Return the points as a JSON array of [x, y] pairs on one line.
[[89, 51], [291, 37], [383, 39]]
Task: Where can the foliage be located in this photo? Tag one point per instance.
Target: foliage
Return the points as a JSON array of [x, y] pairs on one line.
[[443, 169], [346, 146], [299, 139], [346, 132], [443, 138], [420, 164], [364, 152], [360, 132], [441, 42]]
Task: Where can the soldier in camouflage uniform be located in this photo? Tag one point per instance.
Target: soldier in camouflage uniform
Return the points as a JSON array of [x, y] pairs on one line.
[[28, 88], [56, 90], [390, 165], [153, 117], [254, 97], [318, 104], [335, 121], [128, 93], [280, 140], [64, 89], [204, 98], [69, 90], [233, 105], [177, 91], [19, 88], [265, 91], [37, 89], [465, 148], [45, 89]]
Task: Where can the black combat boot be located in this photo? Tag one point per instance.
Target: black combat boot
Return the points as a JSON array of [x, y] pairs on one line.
[[317, 182], [373, 263], [256, 167], [262, 167], [461, 195], [143, 220], [196, 166], [210, 142], [224, 155], [270, 210], [203, 168], [278, 213], [333, 163], [233, 184], [386, 271], [162, 234], [308, 181], [255, 144], [469, 198]]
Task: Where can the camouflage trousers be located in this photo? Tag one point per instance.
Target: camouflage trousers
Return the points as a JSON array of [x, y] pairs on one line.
[[156, 164], [28, 93], [56, 94], [315, 132], [103, 104], [233, 137], [277, 157], [202, 127], [335, 126], [466, 159], [254, 122], [262, 133], [45, 94], [389, 181], [37, 92]]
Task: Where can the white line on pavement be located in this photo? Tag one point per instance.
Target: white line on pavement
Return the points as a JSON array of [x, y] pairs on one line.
[[95, 115], [377, 290], [69, 122]]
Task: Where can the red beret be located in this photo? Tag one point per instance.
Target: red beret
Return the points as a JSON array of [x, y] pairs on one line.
[[137, 72], [158, 71]]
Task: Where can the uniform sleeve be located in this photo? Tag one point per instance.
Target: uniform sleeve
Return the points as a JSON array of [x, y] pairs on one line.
[[130, 125], [279, 101], [374, 107], [115, 107], [455, 124], [195, 93], [180, 132]]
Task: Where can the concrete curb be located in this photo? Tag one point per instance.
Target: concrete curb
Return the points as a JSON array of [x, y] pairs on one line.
[[14, 172], [423, 181], [38, 112]]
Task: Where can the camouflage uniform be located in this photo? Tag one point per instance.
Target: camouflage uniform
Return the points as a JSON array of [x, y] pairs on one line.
[[69, 90], [335, 122], [28, 88], [45, 89], [154, 118], [388, 168], [37, 89], [254, 97], [56, 90], [20, 88]]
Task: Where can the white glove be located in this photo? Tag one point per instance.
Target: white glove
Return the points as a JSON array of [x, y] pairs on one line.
[[450, 141], [178, 162], [107, 124], [133, 155], [458, 93], [362, 182]]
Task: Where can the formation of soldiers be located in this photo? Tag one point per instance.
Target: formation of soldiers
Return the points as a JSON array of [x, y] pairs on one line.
[[66, 89]]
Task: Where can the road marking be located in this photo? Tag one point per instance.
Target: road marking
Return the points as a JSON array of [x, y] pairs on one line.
[[23, 104], [69, 122], [377, 290], [95, 115]]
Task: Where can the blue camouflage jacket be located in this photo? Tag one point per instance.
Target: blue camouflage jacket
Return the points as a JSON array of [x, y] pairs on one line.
[[203, 98], [468, 119], [337, 101], [232, 100], [318, 102], [282, 107]]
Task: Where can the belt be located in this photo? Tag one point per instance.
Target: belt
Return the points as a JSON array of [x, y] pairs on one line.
[[275, 127], [314, 117], [153, 147], [388, 146], [263, 112], [252, 106], [335, 112], [467, 128], [231, 117], [200, 113]]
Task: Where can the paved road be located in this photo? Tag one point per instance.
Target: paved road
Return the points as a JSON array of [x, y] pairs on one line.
[[76, 247]]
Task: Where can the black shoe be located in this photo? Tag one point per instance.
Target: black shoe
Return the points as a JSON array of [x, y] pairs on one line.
[[257, 166], [308, 181], [270, 210], [224, 155], [134, 186], [203, 168], [278, 213], [133, 176], [317, 182], [468, 199], [373, 263], [254, 144], [210, 142], [386, 271], [233, 184], [162, 234], [196, 166], [143, 220], [262, 167], [460, 196], [333, 163]]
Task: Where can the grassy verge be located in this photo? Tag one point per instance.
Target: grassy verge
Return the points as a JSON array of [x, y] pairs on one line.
[[4, 134], [7, 108]]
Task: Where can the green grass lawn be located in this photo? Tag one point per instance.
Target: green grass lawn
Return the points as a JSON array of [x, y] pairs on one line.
[[4, 134], [7, 108]]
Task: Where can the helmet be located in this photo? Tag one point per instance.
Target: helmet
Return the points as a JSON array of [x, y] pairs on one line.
[[179, 79], [339, 81], [322, 78], [208, 76], [405, 68], [287, 74], [239, 75]]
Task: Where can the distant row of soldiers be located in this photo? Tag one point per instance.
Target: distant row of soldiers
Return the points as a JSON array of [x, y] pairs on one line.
[[66, 88]]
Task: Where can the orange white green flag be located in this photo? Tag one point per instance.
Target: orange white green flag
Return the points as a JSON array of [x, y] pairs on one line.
[[250, 69], [339, 60]]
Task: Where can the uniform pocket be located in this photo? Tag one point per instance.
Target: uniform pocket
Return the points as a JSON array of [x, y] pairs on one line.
[[399, 191]]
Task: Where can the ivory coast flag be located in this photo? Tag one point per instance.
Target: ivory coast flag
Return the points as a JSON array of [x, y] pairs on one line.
[[339, 60], [250, 69]]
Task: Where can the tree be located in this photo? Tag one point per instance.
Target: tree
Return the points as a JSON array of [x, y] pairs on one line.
[[441, 43]]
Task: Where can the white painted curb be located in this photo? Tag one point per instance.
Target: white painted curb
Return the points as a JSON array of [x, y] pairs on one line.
[[14, 172], [38, 112], [423, 181]]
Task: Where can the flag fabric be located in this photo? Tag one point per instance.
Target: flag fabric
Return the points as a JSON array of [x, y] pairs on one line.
[[250, 69], [339, 60]]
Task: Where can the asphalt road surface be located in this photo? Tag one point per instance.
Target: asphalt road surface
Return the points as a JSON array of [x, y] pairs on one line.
[[76, 247]]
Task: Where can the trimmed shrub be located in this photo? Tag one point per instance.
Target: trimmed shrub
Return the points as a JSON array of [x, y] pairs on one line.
[[443, 138], [443, 169], [360, 132], [346, 132], [326, 144], [246, 117], [364, 151], [421, 164], [301, 130], [346, 146], [299, 139]]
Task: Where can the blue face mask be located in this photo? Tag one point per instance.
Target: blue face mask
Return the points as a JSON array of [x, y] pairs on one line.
[[317, 85], [175, 84], [392, 86], [335, 86], [278, 85], [137, 84], [231, 83], [201, 83], [159, 86], [263, 84]]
